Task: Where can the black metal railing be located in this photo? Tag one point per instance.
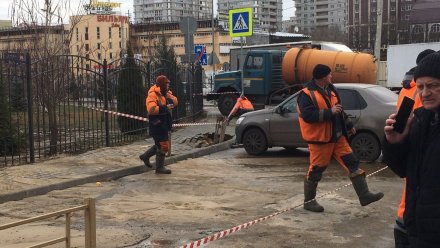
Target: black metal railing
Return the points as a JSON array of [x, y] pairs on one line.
[[55, 105]]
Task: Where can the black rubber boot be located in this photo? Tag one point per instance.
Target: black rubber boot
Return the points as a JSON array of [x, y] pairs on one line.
[[361, 188], [145, 157], [160, 160], [309, 196]]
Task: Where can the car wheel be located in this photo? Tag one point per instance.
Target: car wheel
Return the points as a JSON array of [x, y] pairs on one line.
[[254, 141], [366, 147], [226, 103]]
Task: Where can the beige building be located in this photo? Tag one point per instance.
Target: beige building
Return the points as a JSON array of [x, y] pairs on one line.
[[99, 37], [143, 38], [32, 39], [5, 24]]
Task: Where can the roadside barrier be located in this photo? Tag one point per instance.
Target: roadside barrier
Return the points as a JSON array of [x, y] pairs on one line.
[[146, 119], [89, 224], [227, 232]]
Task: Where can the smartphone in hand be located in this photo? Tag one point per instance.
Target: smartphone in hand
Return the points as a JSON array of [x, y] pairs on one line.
[[403, 114]]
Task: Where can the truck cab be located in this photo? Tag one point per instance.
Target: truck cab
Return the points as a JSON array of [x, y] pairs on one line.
[[262, 75]]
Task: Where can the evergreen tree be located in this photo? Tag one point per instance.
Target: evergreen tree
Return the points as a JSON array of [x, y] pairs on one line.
[[131, 96], [18, 97], [8, 137]]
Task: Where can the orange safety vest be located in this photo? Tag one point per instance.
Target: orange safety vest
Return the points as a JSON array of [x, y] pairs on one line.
[[243, 104], [411, 93], [155, 99], [317, 132]]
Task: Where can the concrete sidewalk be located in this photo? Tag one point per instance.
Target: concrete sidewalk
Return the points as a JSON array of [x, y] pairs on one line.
[[108, 163]]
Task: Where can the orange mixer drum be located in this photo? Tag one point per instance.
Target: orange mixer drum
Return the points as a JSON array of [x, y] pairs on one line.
[[347, 67]]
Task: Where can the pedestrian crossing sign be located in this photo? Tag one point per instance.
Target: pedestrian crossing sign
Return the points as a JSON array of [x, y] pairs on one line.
[[240, 22]]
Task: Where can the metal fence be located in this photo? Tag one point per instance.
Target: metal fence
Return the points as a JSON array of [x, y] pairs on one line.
[[54, 105]]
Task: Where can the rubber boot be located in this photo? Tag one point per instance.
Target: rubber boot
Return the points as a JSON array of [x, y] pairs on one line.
[[361, 188], [160, 160], [145, 157], [309, 196]]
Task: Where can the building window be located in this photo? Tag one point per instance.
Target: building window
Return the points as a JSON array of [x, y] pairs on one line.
[[120, 33], [98, 46], [87, 47], [86, 35], [435, 28], [120, 44], [110, 45], [111, 55], [99, 56], [77, 34], [98, 33], [77, 48], [417, 29], [109, 32]]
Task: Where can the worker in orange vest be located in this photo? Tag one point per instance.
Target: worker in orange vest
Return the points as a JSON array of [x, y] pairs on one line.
[[409, 89], [243, 105], [160, 101], [325, 129]]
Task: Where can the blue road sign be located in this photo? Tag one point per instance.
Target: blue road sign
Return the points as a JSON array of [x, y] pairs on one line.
[[240, 22], [201, 56]]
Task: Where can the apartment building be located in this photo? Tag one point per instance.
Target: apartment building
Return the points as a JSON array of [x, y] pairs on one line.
[[144, 37], [320, 14], [149, 11], [267, 14], [424, 22], [362, 19], [99, 37], [31, 38]]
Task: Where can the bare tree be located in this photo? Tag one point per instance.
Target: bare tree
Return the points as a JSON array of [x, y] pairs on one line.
[[46, 22], [332, 33]]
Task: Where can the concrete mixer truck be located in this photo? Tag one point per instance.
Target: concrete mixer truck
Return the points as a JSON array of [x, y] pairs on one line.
[[266, 73]]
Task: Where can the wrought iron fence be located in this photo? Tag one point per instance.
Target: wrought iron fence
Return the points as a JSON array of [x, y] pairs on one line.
[[54, 105]]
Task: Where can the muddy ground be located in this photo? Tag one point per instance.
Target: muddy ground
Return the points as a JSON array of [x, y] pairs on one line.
[[213, 193]]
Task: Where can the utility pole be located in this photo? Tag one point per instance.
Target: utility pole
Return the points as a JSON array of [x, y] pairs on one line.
[[213, 47], [378, 41]]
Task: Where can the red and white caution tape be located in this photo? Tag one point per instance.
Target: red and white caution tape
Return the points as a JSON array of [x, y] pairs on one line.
[[146, 119], [220, 93], [227, 232], [121, 114]]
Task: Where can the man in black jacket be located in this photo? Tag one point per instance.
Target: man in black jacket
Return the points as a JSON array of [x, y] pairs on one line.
[[415, 154]]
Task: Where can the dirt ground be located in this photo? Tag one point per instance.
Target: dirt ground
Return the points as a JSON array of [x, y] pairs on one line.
[[213, 193]]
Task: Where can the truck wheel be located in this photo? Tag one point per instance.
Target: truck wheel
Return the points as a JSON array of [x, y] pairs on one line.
[[366, 147], [254, 141], [226, 103]]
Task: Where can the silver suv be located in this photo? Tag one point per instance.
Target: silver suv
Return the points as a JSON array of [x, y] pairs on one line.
[[367, 105]]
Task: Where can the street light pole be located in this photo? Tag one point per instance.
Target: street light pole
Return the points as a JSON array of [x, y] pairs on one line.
[[213, 49], [378, 41]]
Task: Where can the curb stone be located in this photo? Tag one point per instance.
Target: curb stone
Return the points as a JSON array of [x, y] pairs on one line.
[[115, 174]]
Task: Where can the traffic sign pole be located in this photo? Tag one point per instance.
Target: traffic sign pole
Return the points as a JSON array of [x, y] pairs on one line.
[[240, 24], [242, 65]]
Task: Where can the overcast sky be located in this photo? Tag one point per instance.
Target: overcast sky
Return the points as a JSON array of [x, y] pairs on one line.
[[5, 7]]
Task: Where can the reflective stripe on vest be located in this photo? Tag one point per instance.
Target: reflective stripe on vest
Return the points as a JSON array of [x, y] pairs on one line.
[[317, 132]]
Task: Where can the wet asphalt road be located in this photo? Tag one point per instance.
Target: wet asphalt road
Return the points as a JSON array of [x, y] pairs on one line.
[[213, 193]]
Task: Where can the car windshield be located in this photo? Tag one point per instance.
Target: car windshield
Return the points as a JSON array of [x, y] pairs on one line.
[[383, 94]]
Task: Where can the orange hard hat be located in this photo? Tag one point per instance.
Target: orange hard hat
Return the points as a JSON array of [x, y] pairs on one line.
[[162, 80]]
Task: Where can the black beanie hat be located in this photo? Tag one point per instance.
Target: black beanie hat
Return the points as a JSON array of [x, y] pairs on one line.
[[429, 67], [321, 71], [423, 54]]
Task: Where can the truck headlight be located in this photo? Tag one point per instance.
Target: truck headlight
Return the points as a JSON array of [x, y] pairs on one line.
[[239, 120]]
